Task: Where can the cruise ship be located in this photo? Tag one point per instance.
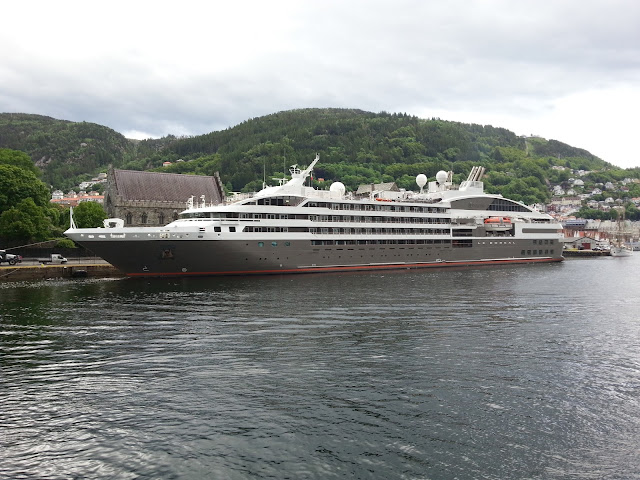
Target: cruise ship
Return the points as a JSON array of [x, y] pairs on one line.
[[294, 228]]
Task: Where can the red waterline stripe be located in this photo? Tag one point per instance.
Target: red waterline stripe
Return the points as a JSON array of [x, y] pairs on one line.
[[349, 268]]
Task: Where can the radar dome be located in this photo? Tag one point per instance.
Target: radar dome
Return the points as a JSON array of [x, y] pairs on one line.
[[337, 187], [441, 177], [421, 180]]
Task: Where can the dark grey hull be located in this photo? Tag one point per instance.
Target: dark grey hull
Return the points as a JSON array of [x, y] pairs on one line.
[[240, 257]]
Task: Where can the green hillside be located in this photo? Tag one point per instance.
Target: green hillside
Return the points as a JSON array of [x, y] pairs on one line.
[[355, 147], [63, 150], [358, 147]]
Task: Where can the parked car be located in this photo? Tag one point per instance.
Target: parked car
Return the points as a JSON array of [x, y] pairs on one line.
[[10, 258]]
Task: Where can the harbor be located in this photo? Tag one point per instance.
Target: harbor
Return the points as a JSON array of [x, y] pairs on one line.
[[510, 372]]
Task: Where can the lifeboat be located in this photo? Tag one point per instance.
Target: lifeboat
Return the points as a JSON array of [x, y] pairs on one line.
[[496, 224]]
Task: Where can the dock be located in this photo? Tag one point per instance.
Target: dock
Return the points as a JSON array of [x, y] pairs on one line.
[[27, 273], [571, 252]]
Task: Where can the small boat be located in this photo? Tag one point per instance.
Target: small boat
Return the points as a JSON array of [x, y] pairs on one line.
[[497, 224], [620, 251]]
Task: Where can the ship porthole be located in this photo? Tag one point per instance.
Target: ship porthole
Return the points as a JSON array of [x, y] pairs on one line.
[[184, 269]]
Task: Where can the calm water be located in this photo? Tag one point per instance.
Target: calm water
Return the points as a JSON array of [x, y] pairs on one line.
[[511, 372]]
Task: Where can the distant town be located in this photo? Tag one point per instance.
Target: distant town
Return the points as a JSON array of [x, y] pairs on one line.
[[73, 198]]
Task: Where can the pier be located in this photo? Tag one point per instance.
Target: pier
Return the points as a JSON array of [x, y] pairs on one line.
[[30, 271], [570, 252]]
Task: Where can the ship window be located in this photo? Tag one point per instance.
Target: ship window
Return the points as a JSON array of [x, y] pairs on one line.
[[521, 252], [287, 244], [217, 229], [502, 204], [261, 244], [232, 229], [274, 244]]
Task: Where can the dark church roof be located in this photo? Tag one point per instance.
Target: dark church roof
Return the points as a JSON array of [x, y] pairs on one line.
[[166, 187]]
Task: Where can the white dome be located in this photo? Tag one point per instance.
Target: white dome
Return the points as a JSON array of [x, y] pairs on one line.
[[421, 180], [441, 177], [338, 187]]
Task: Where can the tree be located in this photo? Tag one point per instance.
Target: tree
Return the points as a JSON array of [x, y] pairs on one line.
[[18, 159], [59, 216], [26, 221], [98, 187], [17, 184], [89, 215], [65, 243]]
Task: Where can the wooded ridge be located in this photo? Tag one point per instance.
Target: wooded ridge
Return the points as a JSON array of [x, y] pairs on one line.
[[355, 147]]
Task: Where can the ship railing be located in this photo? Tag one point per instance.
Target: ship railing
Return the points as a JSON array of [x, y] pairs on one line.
[[237, 197]]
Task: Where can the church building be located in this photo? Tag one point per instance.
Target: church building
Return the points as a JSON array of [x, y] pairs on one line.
[[152, 199]]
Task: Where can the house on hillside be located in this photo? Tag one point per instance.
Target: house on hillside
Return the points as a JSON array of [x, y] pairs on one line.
[[73, 199], [150, 198]]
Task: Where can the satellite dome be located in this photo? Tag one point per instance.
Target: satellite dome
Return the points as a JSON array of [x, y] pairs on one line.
[[441, 177], [421, 180], [337, 187]]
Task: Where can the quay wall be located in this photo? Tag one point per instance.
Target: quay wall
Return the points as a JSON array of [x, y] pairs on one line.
[[18, 273], [585, 253]]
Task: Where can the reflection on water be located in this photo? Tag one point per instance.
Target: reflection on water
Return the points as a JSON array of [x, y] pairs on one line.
[[515, 372]]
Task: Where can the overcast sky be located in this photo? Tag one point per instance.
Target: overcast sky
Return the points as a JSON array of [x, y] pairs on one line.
[[563, 69]]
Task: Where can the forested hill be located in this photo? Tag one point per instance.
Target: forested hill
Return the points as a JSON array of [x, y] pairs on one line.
[[354, 146], [63, 150]]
